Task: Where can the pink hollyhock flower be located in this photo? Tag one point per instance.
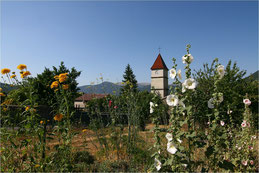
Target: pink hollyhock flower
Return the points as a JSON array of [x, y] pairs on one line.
[[110, 103], [250, 147], [115, 107], [243, 123], [251, 162], [247, 102], [244, 162], [222, 123]]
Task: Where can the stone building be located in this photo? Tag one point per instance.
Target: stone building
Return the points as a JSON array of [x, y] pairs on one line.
[[159, 77]]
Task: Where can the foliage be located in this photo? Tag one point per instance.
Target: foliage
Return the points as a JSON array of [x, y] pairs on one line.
[[129, 81]]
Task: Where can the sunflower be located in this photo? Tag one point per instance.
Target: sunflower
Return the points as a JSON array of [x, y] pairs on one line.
[[22, 66], [5, 70], [54, 84], [13, 76], [26, 73], [58, 117], [56, 77]]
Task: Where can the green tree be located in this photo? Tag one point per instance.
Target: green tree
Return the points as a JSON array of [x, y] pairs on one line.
[[129, 81]]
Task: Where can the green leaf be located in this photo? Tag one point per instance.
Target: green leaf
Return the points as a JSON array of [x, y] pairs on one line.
[[227, 165], [209, 151]]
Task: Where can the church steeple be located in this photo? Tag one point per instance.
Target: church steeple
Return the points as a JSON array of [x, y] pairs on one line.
[[159, 77], [159, 63]]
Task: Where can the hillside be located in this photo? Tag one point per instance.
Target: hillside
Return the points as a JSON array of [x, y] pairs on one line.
[[110, 88]]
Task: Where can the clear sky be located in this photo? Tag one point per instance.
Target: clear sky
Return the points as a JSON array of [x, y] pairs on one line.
[[103, 37]]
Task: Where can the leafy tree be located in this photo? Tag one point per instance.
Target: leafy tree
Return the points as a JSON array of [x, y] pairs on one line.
[[129, 80], [234, 88]]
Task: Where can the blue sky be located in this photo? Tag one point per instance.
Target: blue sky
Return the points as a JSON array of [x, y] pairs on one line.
[[103, 37]]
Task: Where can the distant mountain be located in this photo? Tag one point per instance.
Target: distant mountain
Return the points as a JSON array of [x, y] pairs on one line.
[[110, 88], [6, 87]]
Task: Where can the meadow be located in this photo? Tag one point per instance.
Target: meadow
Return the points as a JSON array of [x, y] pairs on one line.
[[208, 123]]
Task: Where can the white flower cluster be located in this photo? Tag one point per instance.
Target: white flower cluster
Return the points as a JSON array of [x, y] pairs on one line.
[[173, 73], [187, 59], [152, 105]]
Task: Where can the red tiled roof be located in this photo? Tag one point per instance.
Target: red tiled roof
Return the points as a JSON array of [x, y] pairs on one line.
[[87, 97], [159, 63]]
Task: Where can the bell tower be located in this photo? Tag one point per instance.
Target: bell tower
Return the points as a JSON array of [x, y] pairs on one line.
[[159, 77]]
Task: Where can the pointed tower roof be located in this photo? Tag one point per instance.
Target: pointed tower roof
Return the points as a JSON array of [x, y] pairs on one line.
[[159, 63]]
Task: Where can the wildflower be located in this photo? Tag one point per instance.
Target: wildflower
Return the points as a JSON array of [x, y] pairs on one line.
[[27, 108], [172, 100], [171, 148], [251, 162], [58, 117], [172, 73], [179, 74], [221, 71], [21, 67], [158, 164], [84, 130], [26, 73], [169, 137], [190, 83], [65, 86], [187, 59], [247, 102], [244, 162], [62, 77], [41, 122], [110, 103], [243, 123], [54, 84], [222, 123], [5, 70], [2, 94], [56, 77], [13, 76], [229, 112], [179, 140], [250, 147], [37, 165], [253, 137]]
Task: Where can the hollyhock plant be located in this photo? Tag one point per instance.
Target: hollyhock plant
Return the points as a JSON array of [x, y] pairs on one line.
[[172, 100], [172, 73], [221, 71], [169, 137], [179, 74], [187, 58], [158, 164], [190, 83], [247, 102], [171, 148]]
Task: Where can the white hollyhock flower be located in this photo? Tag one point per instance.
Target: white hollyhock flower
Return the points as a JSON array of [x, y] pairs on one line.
[[229, 112], [247, 102], [222, 123], [221, 71], [151, 107], [171, 148], [158, 164], [172, 100], [190, 83], [183, 88], [172, 73], [185, 165], [169, 137], [244, 162], [210, 103], [179, 74], [187, 58]]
